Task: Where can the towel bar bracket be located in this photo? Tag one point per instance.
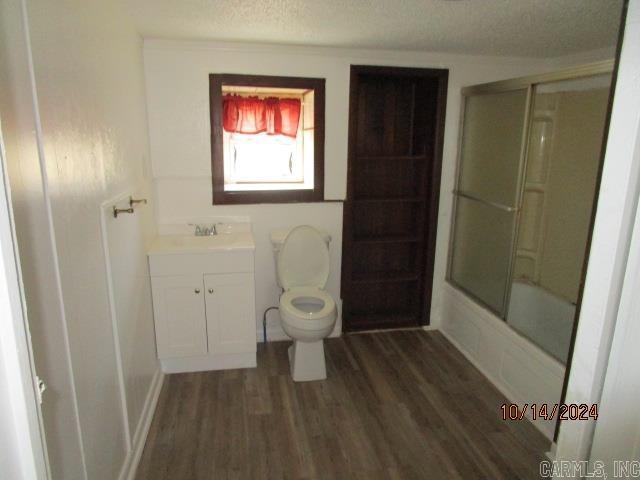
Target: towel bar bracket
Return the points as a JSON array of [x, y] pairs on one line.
[[117, 211], [134, 201]]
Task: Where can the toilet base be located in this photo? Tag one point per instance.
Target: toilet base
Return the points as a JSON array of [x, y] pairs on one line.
[[306, 360]]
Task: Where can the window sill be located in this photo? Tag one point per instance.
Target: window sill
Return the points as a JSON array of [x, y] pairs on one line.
[[267, 196]]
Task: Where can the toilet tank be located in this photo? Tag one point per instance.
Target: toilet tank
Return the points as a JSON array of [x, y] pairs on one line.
[[278, 237], [277, 240]]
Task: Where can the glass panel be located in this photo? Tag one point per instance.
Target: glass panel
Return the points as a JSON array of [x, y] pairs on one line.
[[568, 120], [482, 251], [491, 145]]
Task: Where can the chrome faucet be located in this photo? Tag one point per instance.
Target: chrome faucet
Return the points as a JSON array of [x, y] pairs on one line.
[[203, 231]]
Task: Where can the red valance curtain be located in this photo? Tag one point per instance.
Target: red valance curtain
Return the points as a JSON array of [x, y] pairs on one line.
[[256, 115]]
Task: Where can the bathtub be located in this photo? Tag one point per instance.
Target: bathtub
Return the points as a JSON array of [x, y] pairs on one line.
[[542, 317]]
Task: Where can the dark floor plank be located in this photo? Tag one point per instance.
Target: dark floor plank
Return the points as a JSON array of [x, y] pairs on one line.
[[395, 405]]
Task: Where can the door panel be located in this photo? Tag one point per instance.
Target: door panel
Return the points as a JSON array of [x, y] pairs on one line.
[[395, 140], [181, 328], [230, 318]]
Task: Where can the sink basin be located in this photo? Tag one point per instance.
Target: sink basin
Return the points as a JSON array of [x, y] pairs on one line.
[[173, 244], [207, 242]]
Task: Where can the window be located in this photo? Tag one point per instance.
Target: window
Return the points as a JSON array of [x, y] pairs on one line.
[[267, 139]]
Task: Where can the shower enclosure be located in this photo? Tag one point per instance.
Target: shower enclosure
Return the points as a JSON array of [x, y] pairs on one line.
[[527, 172]]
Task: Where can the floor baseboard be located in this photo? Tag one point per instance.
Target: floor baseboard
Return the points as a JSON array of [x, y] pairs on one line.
[[383, 330], [130, 465]]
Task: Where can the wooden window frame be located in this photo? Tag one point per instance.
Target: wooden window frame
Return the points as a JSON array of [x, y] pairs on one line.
[[222, 197]]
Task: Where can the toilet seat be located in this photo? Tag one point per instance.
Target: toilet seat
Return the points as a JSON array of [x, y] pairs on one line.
[[303, 260], [305, 320]]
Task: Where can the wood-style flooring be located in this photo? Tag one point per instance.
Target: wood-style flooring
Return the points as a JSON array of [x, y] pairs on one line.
[[397, 405]]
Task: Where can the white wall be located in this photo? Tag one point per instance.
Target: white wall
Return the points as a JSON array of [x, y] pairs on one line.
[[610, 247], [17, 459], [10, 466], [178, 105], [88, 75]]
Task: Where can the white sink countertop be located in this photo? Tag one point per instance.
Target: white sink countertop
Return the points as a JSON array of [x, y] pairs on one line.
[[223, 242]]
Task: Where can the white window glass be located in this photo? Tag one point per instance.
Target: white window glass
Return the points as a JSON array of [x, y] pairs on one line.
[[271, 162]]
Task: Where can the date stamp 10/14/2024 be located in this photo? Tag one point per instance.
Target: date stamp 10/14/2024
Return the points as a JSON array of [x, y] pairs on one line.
[[545, 411]]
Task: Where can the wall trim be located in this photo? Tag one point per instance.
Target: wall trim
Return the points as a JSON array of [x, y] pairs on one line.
[[130, 465], [104, 211], [394, 56], [202, 363]]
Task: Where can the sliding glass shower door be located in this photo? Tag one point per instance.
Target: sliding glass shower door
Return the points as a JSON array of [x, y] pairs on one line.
[[530, 151], [487, 194], [565, 138]]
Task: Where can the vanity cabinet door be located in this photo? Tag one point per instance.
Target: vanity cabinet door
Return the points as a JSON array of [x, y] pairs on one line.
[[178, 304], [231, 323]]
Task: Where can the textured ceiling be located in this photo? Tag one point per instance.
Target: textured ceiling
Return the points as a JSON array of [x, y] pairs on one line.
[[530, 28]]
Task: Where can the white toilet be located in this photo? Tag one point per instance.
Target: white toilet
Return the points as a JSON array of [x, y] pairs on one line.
[[307, 311]]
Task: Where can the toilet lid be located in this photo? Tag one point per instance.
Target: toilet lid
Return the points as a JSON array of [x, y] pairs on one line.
[[304, 259]]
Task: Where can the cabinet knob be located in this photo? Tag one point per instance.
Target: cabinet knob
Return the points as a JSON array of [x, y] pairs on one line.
[[197, 290], [211, 290]]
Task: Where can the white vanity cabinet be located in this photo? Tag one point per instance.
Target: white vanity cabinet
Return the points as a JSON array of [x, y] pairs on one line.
[[203, 303], [228, 304], [179, 315]]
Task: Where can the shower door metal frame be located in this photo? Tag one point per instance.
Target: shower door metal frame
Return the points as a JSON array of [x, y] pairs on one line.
[[530, 83]]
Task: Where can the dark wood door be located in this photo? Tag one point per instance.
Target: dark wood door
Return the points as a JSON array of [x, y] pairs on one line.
[[396, 125]]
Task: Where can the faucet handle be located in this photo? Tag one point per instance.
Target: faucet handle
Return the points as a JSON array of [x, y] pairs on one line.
[[202, 230]]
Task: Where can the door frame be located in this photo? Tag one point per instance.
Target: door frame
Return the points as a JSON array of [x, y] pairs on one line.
[[433, 200], [15, 344]]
